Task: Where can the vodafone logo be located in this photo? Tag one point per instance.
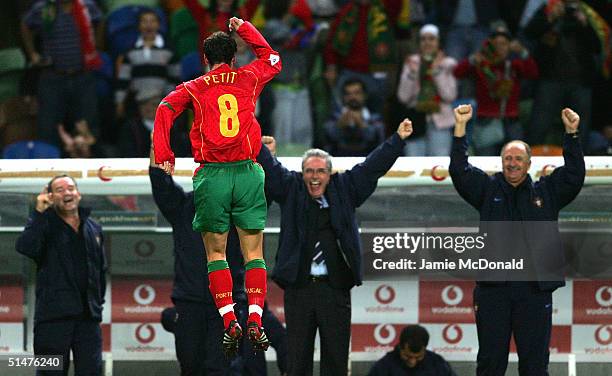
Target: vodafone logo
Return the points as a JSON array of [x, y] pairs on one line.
[[145, 333], [144, 294], [384, 334], [452, 295], [452, 334], [603, 296], [604, 337], [384, 294], [144, 248]]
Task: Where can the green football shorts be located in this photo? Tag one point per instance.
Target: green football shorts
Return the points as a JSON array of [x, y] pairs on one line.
[[229, 193]]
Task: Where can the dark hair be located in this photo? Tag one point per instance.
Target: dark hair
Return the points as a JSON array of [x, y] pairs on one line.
[[219, 47], [354, 81], [415, 337], [148, 11], [49, 188]]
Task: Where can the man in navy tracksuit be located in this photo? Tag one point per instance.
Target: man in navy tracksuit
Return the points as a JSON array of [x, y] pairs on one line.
[[319, 252], [522, 307], [68, 249], [198, 325]]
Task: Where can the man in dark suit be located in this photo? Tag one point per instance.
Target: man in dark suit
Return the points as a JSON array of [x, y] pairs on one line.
[[319, 253]]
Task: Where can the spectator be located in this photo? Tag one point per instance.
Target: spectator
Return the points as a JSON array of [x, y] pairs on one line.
[[354, 131], [319, 255], [569, 35], [428, 86], [79, 142], [411, 357], [66, 86], [497, 75], [68, 249], [147, 66], [521, 219], [216, 17], [353, 49], [135, 134], [466, 23], [291, 116]]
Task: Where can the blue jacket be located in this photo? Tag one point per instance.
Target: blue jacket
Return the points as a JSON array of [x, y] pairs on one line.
[[190, 271], [346, 192], [538, 201], [392, 365], [46, 240]]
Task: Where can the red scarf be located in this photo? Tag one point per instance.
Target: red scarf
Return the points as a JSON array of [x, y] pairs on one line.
[[91, 57]]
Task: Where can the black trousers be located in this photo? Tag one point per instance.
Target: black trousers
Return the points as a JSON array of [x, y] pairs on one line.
[[515, 308], [318, 306], [198, 334], [82, 336], [197, 339]]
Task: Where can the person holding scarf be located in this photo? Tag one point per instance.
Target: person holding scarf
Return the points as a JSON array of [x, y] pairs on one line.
[[66, 87], [497, 75], [361, 44], [427, 86]]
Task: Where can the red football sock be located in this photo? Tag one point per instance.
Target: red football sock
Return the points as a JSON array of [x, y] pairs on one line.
[[255, 283], [221, 286]]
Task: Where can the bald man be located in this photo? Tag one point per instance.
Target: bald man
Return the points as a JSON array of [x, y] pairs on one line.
[[520, 217]]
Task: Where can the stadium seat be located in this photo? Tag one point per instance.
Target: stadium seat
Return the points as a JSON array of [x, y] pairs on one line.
[[191, 66], [184, 32], [12, 63], [104, 76], [30, 150], [122, 27]]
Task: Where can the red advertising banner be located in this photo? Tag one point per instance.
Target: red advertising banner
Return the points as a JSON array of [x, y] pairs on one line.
[[375, 337], [140, 300], [11, 300], [592, 302], [446, 301], [275, 301]]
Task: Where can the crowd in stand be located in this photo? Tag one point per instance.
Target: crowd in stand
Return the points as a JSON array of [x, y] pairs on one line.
[[82, 78]]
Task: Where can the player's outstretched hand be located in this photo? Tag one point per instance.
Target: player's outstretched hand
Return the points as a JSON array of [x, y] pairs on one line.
[[167, 167], [235, 23], [405, 129], [270, 143], [571, 120]]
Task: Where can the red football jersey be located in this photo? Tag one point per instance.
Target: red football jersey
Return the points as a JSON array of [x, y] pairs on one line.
[[224, 127]]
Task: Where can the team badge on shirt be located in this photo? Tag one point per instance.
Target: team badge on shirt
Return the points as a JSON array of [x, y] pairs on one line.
[[274, 59], [538, 202]]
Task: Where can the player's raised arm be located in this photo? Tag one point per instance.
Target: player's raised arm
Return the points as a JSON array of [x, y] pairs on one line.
[[253, 38]]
